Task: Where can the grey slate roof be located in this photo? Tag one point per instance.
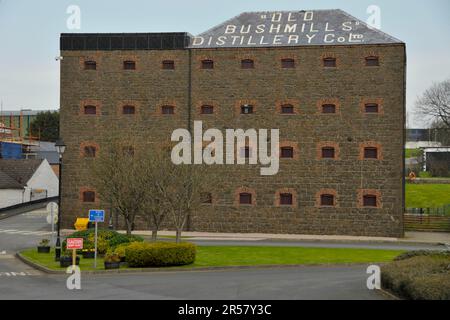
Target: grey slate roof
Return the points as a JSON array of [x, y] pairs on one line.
[[21, 170], [291, 28], [6, 182]]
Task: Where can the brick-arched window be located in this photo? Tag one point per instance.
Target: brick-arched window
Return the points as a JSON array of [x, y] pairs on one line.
[[168, 64], [90, 65], [247, 64], [244, 196], [129, 65], [89, 151], [167, 109], [329, 62], [328, 153], [287, 109], [207, 109], [286, 197], [128, 109], [371, 108], [88, 196], [287, 152], [370, 153], [287, 63], [90, 109], [326, 198], [369, 198], [206, 198], [328, 108], [372, 61], [207, 64]]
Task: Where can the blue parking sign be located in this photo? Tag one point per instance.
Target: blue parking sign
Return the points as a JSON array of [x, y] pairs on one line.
[[96, 215]]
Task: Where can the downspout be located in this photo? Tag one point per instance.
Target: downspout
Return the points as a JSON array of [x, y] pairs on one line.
[[189, 127], [403, 146]]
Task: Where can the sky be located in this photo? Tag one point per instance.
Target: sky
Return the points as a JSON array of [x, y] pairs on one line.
[[29, 36]]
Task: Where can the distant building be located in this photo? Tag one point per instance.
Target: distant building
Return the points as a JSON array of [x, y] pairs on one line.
[[26, 180], [437, 161]]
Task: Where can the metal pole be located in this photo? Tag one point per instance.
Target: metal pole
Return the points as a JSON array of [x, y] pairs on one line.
[[52, 217], [58, 224], [95, 248]]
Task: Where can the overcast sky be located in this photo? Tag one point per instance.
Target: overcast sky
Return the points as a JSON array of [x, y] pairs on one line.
[[29, 35]]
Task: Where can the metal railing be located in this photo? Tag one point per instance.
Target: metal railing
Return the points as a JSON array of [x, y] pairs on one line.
[[439, 211]]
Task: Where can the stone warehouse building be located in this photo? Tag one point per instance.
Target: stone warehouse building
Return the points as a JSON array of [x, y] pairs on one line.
[[333, 86]]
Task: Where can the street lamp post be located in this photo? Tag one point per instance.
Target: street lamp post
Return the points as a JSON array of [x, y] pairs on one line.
[[60, 148]]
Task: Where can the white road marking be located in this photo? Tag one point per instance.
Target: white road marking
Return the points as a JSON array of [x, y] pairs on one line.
[[26, 232], [15, 274]]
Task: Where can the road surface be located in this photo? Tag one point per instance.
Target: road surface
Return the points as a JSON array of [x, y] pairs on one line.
[[19, 281]]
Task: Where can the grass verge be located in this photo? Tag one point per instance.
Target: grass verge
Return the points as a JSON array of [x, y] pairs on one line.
[[224, 256], [427, 195]]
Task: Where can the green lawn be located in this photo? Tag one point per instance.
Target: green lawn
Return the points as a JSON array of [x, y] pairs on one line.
[[427, 195], [251, 256], [412, 153]]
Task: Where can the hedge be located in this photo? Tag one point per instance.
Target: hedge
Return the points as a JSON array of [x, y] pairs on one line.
[[159, 254], [107, 239], [419, 276]]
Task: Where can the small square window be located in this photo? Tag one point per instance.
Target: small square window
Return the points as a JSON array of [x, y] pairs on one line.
[[247, 64], [207, 109], [168, 64], [246, 109], [128, 109], [245, 198], [207, 64], [287, 63], [167, 109], [369, 200], [286, 199], [328, 108], [287, 109], [371, 108], [89, 151], [206, 198], [128, 151], [88, 196], [327, 200], [372, 61], [287, 152], [129, 65], [90, 109], [328, 152], [90, 65], [370, 153], [329, 62]]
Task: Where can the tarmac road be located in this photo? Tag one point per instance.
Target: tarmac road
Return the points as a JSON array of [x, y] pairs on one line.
[[19, 281]]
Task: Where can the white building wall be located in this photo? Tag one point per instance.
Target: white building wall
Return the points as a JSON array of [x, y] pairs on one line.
[[10, 197], [44, 178]]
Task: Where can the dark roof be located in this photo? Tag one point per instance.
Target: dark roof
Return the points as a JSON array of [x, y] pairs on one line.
[[51, 156], [6, 182], [124, 41], [21, 170], [291, 28]]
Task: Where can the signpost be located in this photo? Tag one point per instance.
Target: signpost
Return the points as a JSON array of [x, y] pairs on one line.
[[74, 244], [52, 218], [96, 216]]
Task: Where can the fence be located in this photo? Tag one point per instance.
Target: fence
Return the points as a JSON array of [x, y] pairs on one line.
[[428, 219]]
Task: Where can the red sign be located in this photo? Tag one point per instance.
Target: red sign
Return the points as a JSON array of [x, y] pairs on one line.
[[74, 243]]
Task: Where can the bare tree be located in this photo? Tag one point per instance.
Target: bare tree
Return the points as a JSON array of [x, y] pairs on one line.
[[119, 176], [153, 209], [182, 189], [434, 104]]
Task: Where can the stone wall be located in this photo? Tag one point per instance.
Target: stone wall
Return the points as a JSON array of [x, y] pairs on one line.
[[267, 86]]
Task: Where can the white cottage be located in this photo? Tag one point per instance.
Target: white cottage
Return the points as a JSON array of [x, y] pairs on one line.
[[26, 180]]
